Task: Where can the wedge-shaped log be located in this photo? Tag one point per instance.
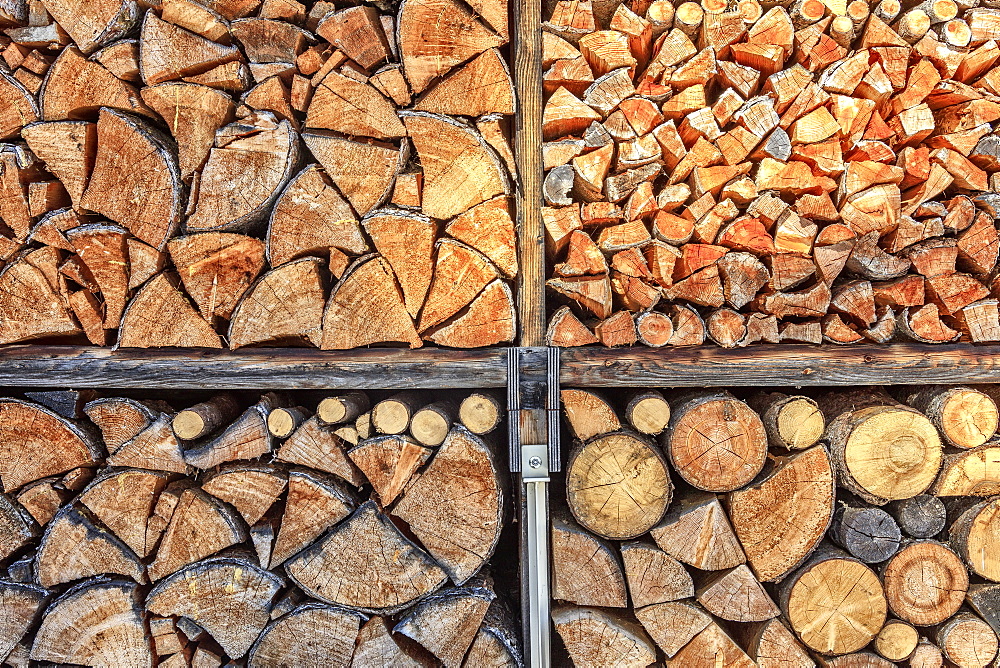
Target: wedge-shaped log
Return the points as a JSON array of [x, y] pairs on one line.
[[367, 307], [341, 567], [460, 168], [782, 517], [315, 502], [217, 268], [136, 180], [472, 507], [446, 623], [309, 633], [285, 305], [93, 624], [75, 548], [701, 515], [123, 500], [156, 448], [437, 35], [406, 240], [231, 598], [200, 526], [256, 158], [595, 637], [363, 171], [194, 114], [586, 570], [389, 463], [481, 87], [35, 442], [318, 447], [29, 306], [309, 218], [250, 488], [161, 316], [22, 605]]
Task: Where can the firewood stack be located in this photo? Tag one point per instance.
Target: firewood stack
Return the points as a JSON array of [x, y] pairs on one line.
[[809, 171], [260, 536], [850, 529], [229, 173]]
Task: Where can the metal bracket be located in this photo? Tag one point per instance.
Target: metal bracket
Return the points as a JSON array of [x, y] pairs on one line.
[[535, 463], [532, 402]]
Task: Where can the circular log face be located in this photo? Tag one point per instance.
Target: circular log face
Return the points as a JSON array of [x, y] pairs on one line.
[[969, 417], [893, 453], [897, 640], [968, 642], [925, 583], [800, 423], [618, 486], [718, 445], [836, 606]]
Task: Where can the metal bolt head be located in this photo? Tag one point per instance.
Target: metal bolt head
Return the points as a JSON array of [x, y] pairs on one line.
[[535, 462]]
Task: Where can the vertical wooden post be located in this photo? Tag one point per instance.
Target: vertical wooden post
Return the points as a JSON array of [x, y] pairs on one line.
[[527, 45]]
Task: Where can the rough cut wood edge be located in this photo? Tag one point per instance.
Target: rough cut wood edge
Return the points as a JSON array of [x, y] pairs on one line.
[[275, 368], [782, 364]]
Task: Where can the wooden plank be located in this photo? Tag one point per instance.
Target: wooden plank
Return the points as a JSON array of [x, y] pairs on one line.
[[272, 368], [778, 365], [528, 153]]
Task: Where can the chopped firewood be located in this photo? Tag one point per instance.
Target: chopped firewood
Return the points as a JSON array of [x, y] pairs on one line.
[[232, 603], [284, 305], [98, 621]]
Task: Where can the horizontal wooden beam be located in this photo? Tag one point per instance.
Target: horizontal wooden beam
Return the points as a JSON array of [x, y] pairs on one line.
[[256, 368], [780, 365]]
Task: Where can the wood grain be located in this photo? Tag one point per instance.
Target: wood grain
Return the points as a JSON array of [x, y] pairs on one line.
[[528, 154], [272, 368], [777, 365]]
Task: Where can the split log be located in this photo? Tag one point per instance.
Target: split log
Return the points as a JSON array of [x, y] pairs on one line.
[[95, 623], [23, 605], [315, 502], [250, 488], [18, 525], [284, 305], [293, 637], [160, 316], [588, 414], [673, 625], [155, 447], [782, 517], [389, 463], [74, 548], [446, 623], [770, 644], [622, 642], [472, 510], [320, 448], [38, 443], [367, 547], [737, 596], [232, 602], [246, 438], [586, 570], [618, 485], [701, 515]]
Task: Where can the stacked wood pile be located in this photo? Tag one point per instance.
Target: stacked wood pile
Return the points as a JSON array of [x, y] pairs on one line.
[[229, 173], [817, 170], [851, 529], [260, 535]]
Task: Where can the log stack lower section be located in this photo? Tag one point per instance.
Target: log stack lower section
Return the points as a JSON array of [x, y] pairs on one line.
[[134, 535], [847, 528]]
